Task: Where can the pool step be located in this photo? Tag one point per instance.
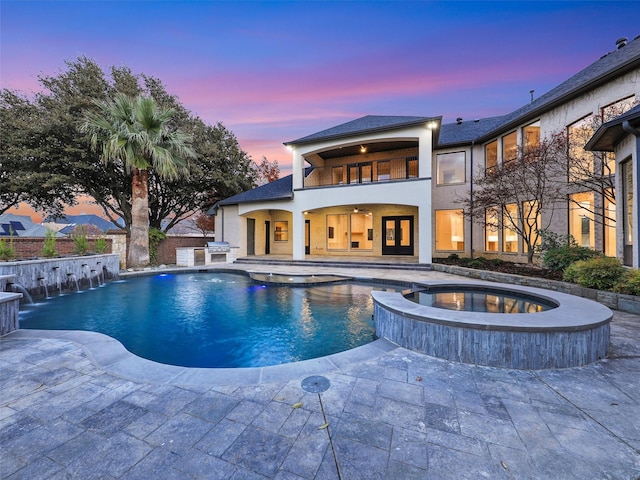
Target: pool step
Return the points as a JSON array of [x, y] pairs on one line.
[[423, 267]]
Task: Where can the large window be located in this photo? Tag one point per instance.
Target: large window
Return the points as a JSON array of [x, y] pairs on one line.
[[450, 168], [361, 231], [337, 232], [281, 233], [491, 155], [509, 147], [582, 162], [491, 229], [581, 219], [449, 230], [609, 228], [531, 136], [627, 211], [412, 167], [509, 233]]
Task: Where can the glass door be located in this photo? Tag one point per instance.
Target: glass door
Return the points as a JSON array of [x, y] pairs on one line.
[[397, 235]]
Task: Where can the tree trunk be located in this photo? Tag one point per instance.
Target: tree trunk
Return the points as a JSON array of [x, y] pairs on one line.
[[139, 240]]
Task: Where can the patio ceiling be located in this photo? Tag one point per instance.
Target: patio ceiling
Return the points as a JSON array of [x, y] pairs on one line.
[[371, 148]]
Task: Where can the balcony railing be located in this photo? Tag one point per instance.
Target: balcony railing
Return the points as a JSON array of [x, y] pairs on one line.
[[374, 171]]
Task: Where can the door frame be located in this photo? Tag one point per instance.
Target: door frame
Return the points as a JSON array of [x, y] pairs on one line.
[[397, 248], [251, 236]]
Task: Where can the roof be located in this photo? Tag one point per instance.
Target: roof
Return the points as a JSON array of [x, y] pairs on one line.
[[464, 132], [16, 225], [362, 125], [281, 189], [611, 133], [609, 66], [87, 219]]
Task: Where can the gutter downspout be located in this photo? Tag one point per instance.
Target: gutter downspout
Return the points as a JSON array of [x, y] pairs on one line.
[[626, 126]]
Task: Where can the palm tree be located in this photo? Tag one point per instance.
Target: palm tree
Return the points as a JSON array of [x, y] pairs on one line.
[[135, 132]]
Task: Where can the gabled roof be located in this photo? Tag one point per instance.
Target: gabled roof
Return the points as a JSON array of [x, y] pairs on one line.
[[281, 189], [16, 225], [363, 125], [610, 66], [611, 133]]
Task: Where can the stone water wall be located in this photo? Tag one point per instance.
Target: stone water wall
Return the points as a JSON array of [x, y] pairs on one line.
[[58, 275]]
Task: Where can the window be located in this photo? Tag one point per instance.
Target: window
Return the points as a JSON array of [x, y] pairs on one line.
[[361, 231], [491, 227], [627, 211], [337, 232], [531, 222], [281, 233], [450, 168], [609, 228], [449, 230], [384, 171], [509, 147], [531, 136], [509, 223], [353, 173], [412, 167], [581, 219], [338, 175], [365, 173], [491, 155], [608, 113], [581, 162]]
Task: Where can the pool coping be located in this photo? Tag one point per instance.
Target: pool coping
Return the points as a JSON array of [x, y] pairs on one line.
[[109, 354]]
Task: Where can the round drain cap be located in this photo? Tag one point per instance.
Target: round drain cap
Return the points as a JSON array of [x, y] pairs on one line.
[[316, 384]]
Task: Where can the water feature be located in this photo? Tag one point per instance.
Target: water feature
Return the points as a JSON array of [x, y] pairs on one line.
[[16, 287], [58, 280], [73, 280], [216, 319], [43, 282]]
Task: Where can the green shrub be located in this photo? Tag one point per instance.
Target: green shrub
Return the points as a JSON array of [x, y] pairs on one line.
[[454, 256], [100, 245], [49, 247], [601, 273], [496, 262], [155, 237], [559, 251], [7, 250], [464, 261], [80, 242], [629, 284]]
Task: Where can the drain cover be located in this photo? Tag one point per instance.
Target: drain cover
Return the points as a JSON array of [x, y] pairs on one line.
[[316, 384]]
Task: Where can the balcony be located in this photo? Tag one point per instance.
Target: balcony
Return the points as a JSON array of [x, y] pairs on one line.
[[372, 171]]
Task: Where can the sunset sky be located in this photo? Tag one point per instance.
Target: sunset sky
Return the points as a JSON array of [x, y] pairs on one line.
[[276, 71]]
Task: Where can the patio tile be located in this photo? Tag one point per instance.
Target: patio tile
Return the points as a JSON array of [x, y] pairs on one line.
[[180, 432]]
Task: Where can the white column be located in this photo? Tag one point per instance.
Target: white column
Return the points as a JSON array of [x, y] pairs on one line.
[[298, 235], [424, 232]]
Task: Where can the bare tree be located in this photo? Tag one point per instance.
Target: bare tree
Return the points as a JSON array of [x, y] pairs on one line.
[[266, 171], [514, 194]]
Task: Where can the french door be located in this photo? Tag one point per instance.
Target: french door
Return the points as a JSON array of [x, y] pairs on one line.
[[397, 235]]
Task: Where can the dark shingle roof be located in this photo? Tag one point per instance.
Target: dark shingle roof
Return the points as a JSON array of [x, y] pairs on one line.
[[609, 134], [452, 134], [367, 124], [281, 189], [86, 219], [607, 67]]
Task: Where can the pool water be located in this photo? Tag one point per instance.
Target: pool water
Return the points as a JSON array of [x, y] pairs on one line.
[[215, 320], [479, 300]]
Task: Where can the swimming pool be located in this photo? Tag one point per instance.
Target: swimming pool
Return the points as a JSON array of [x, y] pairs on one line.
[[216, 319]]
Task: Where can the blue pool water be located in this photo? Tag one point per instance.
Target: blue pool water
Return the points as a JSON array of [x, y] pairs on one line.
[[215, 320]]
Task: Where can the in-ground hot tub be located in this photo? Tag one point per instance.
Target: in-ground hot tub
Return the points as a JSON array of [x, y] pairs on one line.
[[470, 323]]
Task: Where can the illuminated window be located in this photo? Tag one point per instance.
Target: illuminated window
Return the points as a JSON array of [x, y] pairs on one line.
[[337, 232], [412, 167], [491, 230], [581, 219], [581, 162], [449, 230], [491, 155], [384, 171], [531, 222], [361, 231], [531, 136], [509, 223], [338, 175], [609, 228], [281, 233], [450, 168], [627, 210], [509, 147]]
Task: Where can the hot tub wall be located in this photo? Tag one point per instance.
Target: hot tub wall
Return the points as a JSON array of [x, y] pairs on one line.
[[530, 350]]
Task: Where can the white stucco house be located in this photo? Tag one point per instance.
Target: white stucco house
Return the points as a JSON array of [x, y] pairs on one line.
[[389, 186]]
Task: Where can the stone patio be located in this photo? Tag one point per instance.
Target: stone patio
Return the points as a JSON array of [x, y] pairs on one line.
[[81, 407]]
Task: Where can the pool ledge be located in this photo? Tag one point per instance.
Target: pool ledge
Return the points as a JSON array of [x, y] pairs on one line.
[[573, 334], [110, 355]]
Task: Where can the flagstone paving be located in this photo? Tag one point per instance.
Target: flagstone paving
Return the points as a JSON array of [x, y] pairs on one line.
[[65, 413]]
